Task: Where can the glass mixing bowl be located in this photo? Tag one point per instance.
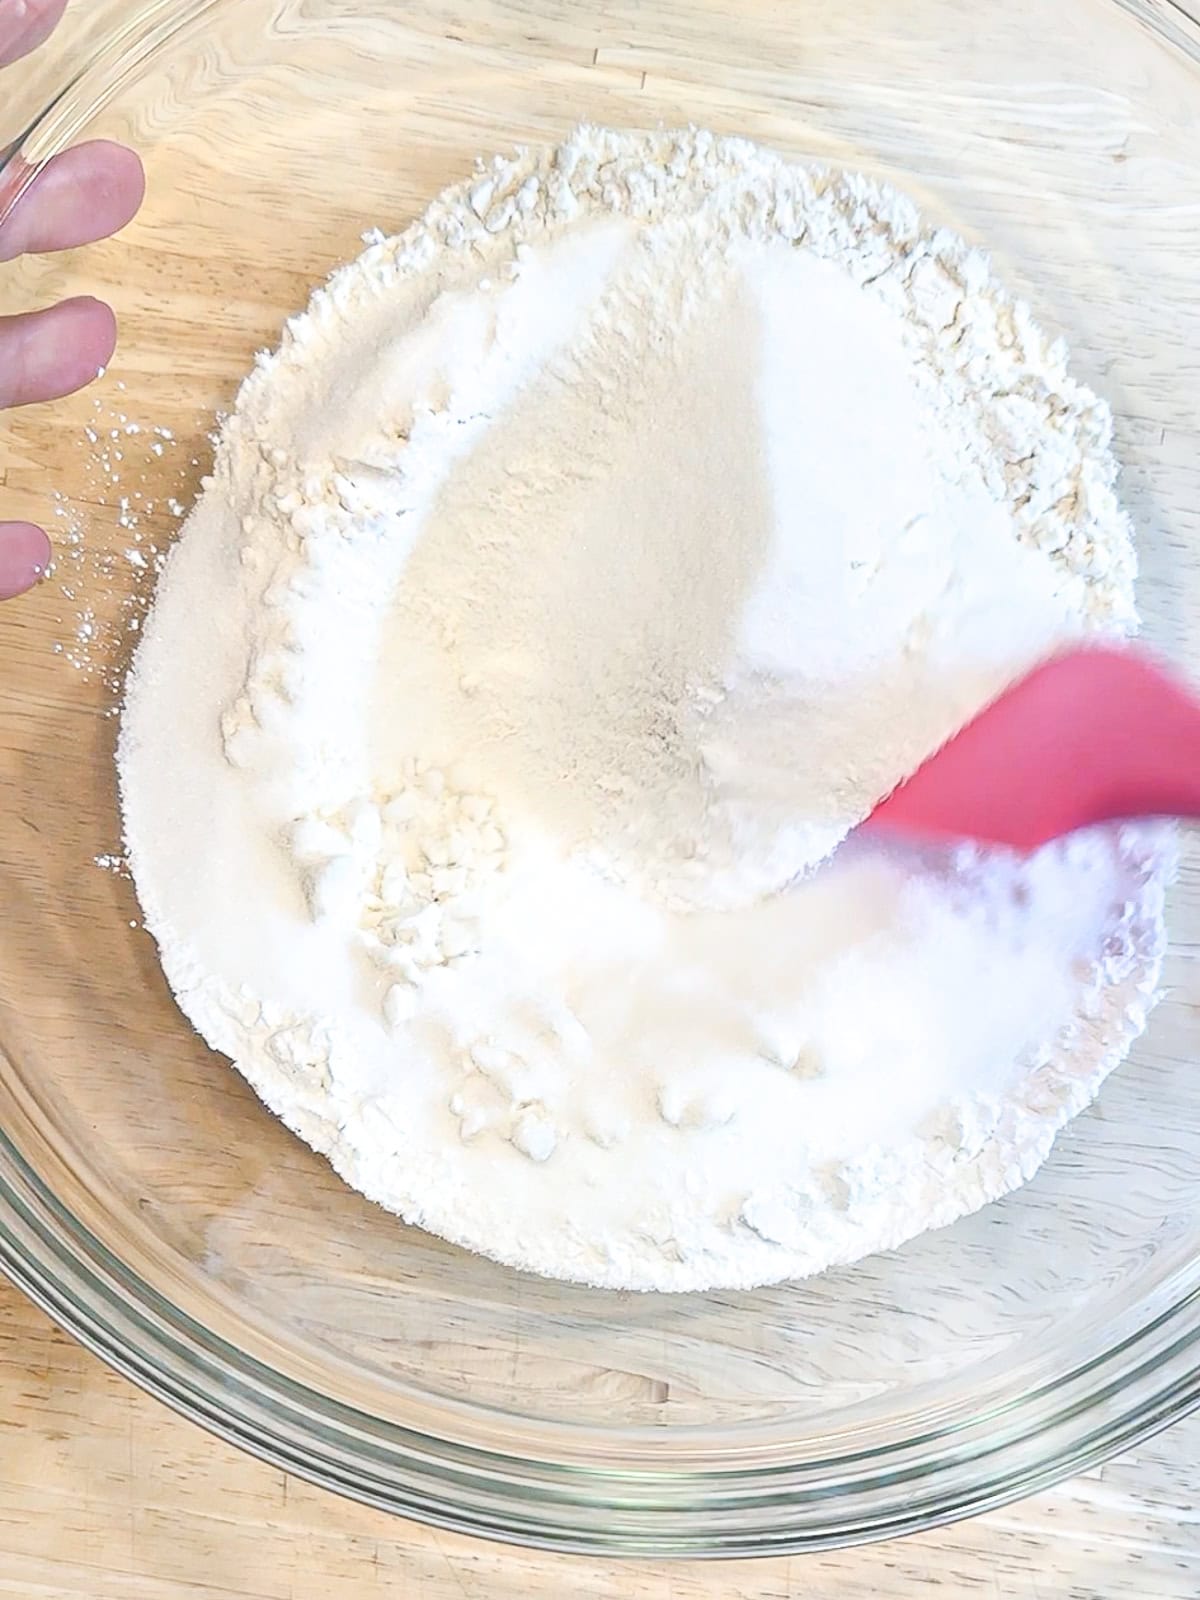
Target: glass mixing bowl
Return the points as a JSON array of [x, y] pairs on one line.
[[147, 1199]]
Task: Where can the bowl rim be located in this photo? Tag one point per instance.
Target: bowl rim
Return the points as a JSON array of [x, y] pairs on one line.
[[637, 1503], [656, 1501]]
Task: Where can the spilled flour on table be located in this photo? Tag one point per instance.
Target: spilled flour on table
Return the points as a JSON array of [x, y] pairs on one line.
[[587, 562], [106, 585]]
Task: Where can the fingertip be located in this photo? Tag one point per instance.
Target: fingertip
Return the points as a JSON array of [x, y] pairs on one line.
[[87, 334], [93, 324], [45, 355], [100, 320], [25, 26], [127, 174], [86, 193], [112, 178], [25, 555]]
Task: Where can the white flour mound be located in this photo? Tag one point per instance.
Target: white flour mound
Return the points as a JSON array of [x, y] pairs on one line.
[[585, 564]]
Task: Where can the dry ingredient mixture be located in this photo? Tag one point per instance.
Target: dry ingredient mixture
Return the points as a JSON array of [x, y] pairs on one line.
[[584, 565]]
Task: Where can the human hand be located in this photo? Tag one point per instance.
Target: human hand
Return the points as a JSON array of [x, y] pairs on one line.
[[82, 195]]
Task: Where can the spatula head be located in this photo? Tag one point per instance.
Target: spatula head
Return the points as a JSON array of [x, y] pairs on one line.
[[1097, 734]]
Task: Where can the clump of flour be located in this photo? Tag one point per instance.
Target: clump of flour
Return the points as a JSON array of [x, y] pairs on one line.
[[587, 562]]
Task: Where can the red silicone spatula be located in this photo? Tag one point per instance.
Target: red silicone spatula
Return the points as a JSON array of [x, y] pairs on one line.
[[1097, 734]]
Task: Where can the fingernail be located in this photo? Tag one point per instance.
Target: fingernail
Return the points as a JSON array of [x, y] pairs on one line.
[[25, 556]]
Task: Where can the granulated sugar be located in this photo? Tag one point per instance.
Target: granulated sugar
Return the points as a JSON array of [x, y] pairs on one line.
[[587, 562]]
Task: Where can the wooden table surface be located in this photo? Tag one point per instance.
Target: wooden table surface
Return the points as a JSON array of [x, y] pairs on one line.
[[106, 1495]]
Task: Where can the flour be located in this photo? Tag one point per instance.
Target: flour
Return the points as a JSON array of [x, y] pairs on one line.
[[586, 563], [122, 461]]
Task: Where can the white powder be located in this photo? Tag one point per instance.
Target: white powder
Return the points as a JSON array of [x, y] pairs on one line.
[[103, 605], [587, 562]]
